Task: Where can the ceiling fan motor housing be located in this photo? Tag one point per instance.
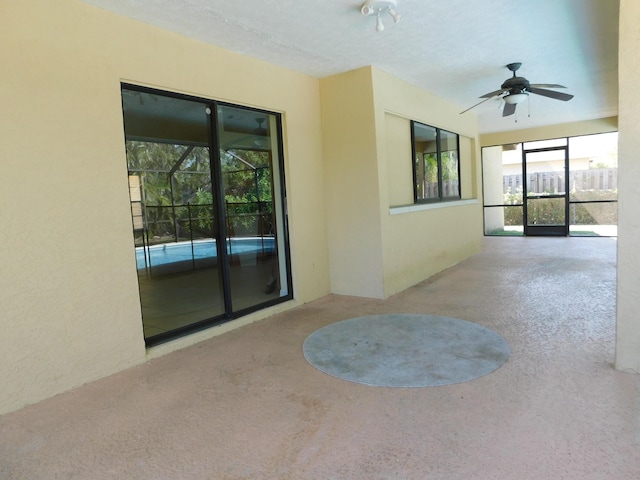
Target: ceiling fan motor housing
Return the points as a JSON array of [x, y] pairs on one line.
[[516, 85]]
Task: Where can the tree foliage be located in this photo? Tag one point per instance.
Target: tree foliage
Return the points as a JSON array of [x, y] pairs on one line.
[[177, 188]]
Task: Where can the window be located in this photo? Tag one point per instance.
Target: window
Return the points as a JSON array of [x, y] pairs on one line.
[[436, 164]]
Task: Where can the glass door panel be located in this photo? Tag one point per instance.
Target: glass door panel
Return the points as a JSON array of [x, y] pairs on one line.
[[545, 211], [175, 227], [252, 192], [545, 192]]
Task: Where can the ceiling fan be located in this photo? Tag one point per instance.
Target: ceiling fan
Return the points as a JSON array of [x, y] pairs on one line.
[[244, 136], [517, 89]]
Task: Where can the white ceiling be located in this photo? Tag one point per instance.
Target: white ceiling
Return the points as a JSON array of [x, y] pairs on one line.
[[456, 49]]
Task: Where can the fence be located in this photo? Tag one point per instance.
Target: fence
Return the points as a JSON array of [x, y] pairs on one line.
[[186, 234], [553, 182], [176, 223], [450, 188]]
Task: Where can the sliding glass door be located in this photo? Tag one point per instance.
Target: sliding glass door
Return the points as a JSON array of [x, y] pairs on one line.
[[207, 204]]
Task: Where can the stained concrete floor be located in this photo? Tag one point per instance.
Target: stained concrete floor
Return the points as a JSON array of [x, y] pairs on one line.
[[246, 404]]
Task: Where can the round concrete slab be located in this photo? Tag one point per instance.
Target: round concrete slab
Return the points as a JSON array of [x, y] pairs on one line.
[[406, 350]]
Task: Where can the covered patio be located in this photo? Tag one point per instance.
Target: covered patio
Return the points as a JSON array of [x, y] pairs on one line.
[[246, 404]]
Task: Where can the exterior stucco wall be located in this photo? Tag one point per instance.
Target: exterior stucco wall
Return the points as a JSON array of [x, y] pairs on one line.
[[68, 287], [376, 249], [352, 180], [628, 306], [420, 242]]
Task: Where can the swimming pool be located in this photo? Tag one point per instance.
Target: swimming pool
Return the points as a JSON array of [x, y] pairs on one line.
[[168, 253]]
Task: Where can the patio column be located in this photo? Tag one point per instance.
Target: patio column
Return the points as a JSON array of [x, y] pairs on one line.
[[628, 306]]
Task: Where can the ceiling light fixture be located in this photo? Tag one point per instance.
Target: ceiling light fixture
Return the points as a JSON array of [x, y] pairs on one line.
[[371, 7], [516, 98]]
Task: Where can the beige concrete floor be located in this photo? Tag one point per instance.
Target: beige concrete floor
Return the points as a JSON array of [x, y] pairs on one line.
[[246, 405]]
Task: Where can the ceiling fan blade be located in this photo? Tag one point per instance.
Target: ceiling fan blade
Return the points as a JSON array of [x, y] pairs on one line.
[[474, 106], [509, 109], [546, 85], [551, 94], [494, 93]]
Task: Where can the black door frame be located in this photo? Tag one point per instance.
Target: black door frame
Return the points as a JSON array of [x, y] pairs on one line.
[[219, 232], [545, 230]]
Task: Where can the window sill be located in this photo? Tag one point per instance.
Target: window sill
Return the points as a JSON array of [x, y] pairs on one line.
[[418, 207]]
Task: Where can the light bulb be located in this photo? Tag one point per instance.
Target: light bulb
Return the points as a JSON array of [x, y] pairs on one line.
[[395, 15], [516, 98], [366, 10]]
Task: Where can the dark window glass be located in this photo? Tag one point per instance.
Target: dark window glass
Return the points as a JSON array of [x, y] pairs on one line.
[[436, 164]]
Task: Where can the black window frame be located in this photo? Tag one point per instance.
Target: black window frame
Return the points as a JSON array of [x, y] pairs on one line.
[[438, 139]]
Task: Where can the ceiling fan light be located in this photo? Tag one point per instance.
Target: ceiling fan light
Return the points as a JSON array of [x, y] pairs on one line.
[[515, 98], [395, 15], [371, 7], [379, 24], [367, 10]]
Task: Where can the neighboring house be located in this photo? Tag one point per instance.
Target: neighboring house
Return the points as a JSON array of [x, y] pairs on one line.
[[69, 293]]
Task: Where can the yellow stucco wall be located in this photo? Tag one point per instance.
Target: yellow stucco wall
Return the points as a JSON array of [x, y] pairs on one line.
[[366, 121], [352, 180], [68, 288], [587, 127], [418, 243], [628, 300]]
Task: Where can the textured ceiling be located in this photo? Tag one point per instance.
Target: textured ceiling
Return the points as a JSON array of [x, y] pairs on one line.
[[456, 49]]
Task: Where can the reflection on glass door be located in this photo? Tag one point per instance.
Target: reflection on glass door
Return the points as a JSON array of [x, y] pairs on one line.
[[169, 166], [207, 210], [253, 206], [545, 191]]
